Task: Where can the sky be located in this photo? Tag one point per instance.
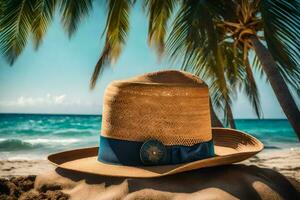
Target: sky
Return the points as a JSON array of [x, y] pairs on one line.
[[55, 79]]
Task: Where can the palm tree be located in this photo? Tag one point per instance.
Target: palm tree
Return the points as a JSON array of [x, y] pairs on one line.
[[270, 30], [212, 39], [216, 37]]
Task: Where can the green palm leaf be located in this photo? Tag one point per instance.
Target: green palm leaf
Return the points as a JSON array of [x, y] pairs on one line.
[[17, 17], [44, 11], [73, 12], [251, 90], [116, 29], [2, 3], [239, 75], [282, 29], [159, 13], [194, 41], [256, 65], [223, 101], [223, 9]]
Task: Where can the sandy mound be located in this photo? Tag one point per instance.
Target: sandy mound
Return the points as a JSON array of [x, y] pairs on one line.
[[226, 182]]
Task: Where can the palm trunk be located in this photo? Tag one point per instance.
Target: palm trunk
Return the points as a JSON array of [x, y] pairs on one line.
[[215, 122], [230, 118], [278, 84]]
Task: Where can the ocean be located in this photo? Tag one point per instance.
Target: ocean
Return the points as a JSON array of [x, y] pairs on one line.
[[34, 136]]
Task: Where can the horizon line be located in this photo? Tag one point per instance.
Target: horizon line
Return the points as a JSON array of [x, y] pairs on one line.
[[87, 114]]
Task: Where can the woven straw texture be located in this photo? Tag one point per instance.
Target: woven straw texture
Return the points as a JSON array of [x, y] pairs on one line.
[[170, 106]]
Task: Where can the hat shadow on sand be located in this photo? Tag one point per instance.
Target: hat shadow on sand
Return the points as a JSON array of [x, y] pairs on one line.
[[240, 181]]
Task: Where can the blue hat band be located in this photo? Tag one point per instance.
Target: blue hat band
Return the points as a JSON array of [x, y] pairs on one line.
[[134, 153]]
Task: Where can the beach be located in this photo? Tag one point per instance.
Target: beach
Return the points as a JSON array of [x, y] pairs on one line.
[[193, 100], [38, 179]]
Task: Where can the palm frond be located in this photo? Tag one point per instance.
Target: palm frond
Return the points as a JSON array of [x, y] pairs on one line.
[[194, 41], [44, 11], [116, 29], [2, 4], [186, 29], [73, 12], [17, 17], [240, 75], [251, 90], [256, 65], [159, 13], [103, 60], [281, 30], [233, 63], [223, 9], [222, 102]]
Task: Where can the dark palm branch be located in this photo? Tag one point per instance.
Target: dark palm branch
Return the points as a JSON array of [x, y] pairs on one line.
[[159, 12], [239, 74], [17, 17], [194, 37], [281, 30], [116, 30], [73, 12], [2, 2], [43, 15], [251, 90]]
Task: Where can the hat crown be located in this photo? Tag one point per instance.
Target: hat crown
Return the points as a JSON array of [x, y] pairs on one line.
[[169, 106]]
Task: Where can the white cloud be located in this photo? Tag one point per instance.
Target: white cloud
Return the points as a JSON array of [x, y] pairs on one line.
[[36, 101], [25, 101], [50, 104], [59, 99]]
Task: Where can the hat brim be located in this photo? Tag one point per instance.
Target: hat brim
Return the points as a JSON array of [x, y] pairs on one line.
[[230, 146]]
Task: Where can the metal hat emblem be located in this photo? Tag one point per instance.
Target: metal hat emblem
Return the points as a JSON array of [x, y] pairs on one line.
[[152, 152]]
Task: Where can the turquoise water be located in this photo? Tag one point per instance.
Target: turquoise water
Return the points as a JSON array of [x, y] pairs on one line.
[[26, 136]]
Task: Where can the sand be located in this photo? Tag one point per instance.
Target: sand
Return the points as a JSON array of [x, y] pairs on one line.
[[285, 161], [10, 168], [260, 177]]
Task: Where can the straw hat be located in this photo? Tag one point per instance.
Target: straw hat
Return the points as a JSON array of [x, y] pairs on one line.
[[158, 124]]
